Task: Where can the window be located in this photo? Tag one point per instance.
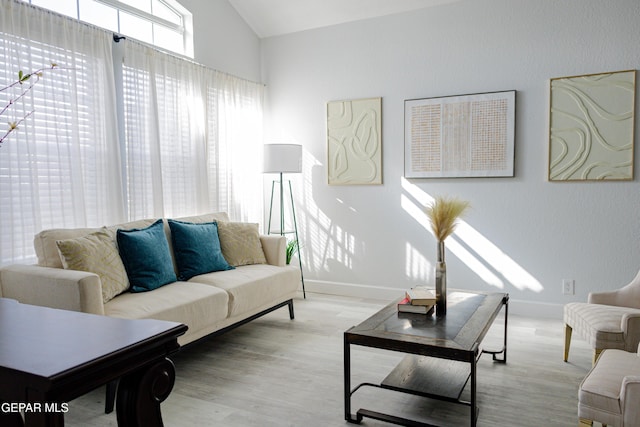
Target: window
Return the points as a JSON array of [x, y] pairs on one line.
[[58, 168], [116, 140], [162, 23]]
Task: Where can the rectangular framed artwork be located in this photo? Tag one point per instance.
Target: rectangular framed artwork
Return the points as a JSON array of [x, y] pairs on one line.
[[354, 141], [460, 136], [591, 127]]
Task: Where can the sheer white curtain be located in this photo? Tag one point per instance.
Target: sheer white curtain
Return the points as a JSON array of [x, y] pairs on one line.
[[61, 167], [165, 142], [234, 136], [193, 138]]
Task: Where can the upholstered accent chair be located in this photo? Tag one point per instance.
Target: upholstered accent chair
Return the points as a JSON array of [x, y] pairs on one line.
[[610, 392], [608, 320]]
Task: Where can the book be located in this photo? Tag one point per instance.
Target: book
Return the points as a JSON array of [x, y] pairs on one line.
[[405, 306], [421, 296]]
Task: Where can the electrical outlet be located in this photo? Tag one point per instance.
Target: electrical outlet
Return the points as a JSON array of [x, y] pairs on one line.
[[568, 287]]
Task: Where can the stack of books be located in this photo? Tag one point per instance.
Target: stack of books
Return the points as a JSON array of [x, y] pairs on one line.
[[417, 300]]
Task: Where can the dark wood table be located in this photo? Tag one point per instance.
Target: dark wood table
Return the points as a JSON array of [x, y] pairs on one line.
[[49, 357], [443, 351]]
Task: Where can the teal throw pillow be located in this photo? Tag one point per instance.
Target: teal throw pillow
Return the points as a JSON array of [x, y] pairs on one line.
[[146, 258], [196, 248]]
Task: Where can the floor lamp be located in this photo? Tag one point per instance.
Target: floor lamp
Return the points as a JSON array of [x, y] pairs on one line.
[[281, 159]]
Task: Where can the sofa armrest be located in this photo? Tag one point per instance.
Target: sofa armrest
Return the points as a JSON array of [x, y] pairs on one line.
[[275, 249], [629, 398], [53, 287]]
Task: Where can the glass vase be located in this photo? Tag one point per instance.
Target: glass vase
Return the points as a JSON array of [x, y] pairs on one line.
[[441, 282]]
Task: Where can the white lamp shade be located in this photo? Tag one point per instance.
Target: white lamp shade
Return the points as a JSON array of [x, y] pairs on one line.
[[282, 158]]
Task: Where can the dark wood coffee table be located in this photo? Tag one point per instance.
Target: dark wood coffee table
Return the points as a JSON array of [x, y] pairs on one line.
[[443, 351], [49, 357]]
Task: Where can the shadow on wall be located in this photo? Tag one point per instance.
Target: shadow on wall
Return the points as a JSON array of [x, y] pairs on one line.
[[330, 248], [482, 256]]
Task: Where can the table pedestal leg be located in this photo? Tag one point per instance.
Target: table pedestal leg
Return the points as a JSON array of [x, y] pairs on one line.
[[11, 419], [141, 392]]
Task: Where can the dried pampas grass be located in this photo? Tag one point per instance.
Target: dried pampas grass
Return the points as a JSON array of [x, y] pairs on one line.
[[443, 214]]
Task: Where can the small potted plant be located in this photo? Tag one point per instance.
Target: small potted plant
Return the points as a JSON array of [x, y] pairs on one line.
[[292, 248]]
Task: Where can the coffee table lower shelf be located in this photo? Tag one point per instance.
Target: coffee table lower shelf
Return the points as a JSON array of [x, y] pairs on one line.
[[429, 377], [423, 376]]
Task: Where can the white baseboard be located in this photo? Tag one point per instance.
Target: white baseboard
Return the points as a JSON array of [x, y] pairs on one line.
[[517, 307]]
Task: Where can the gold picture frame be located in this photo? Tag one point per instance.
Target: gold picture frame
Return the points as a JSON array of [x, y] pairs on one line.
[[591, 127]]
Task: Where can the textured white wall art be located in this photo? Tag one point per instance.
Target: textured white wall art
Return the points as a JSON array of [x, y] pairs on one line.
[[591, 121], [460, 136], [354, 138]]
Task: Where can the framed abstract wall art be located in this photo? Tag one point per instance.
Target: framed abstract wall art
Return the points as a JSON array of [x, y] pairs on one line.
[[591, 127], [354, 141], [460, 136]]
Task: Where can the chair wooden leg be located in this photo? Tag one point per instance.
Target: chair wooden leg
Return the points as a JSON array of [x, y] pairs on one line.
[[567, 341], [596, 354], [584, 422]]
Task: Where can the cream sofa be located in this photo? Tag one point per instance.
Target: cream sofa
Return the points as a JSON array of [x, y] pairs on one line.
[[206, 303]]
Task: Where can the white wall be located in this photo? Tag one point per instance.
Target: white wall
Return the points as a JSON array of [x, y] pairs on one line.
[[223, 40], [524, 234]]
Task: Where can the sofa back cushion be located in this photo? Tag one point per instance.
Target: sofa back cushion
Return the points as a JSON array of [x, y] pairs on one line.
[[210, 217], [45, 244], [45, 241]]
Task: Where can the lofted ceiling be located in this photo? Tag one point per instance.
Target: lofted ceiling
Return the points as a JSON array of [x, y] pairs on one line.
[[270, 18]]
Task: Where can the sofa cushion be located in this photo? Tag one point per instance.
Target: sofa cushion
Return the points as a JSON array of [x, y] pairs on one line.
[[96, 253], [209, 217], [598, 324], [46, 249], [196, 305], [249, 286], [196, 248], [145, 255], [240, 243]]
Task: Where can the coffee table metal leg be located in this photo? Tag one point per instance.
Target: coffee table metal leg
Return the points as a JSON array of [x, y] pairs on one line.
[[503, 351], [506, 317], [473, 408], [141, 392], [347, 383]]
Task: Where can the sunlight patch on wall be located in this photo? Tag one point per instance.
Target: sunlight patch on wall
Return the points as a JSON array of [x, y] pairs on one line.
[[515, 274], [417, 213], [472, 261], [481, 255], [418, 267]]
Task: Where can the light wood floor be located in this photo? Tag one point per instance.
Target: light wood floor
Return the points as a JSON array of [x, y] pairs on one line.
[[278, 372]]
